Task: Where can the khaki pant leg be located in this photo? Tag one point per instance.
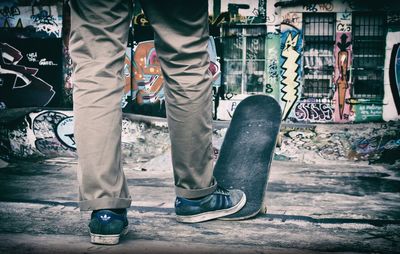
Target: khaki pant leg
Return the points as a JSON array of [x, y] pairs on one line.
[[99, 31], [181, 38]]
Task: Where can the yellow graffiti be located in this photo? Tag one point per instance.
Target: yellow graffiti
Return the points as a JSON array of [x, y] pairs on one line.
[[290, 75]]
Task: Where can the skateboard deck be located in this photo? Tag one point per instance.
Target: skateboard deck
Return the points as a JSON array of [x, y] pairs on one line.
[[247, 151]]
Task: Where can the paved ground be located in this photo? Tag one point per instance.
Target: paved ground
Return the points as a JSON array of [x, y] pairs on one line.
[[341, 207]]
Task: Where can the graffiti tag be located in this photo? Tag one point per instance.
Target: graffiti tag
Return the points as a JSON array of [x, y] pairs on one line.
[[291, 18], [273, 68], [46, 23], [44, 61], [270, 18], [9, 12], [340, 27], [32, 57], [318, 7], [313, 112]]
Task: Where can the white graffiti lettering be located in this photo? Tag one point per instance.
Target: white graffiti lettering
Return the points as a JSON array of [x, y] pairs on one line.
[[313, 112], [44, 61], [343, 27]]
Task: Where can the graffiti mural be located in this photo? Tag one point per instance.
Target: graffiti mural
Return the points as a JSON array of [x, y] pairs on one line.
[[290, 75], [342, 85], [343, 51], [65, 132], [291, 45], [144, 82], [45, 127], [145, 86], [394, 75], [38, 134], [147, 74], [30, 76]]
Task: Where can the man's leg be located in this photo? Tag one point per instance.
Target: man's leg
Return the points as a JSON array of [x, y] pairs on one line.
[[99, 31], [181, 41]]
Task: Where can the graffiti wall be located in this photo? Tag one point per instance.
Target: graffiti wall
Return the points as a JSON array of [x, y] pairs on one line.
[[31, 55], [331, 96], [333, 80], [35, 69], [306, 106], [50, 133]]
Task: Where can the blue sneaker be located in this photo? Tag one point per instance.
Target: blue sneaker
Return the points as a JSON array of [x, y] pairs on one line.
[[218, 204], [106, 226]]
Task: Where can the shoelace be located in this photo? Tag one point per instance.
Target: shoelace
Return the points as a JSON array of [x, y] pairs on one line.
[[222, 190]]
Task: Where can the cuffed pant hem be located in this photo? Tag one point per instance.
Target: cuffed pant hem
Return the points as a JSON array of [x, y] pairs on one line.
[[104, 203], [195, 193]]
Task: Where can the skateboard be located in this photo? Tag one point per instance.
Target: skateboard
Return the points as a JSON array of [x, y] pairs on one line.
[[247, 151]]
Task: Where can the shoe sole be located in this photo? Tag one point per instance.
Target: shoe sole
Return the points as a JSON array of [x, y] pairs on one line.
[[206, 216], [107, 239]]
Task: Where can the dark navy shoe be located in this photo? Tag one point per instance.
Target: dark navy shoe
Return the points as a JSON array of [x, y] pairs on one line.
[[218, 204], [106, 226]]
